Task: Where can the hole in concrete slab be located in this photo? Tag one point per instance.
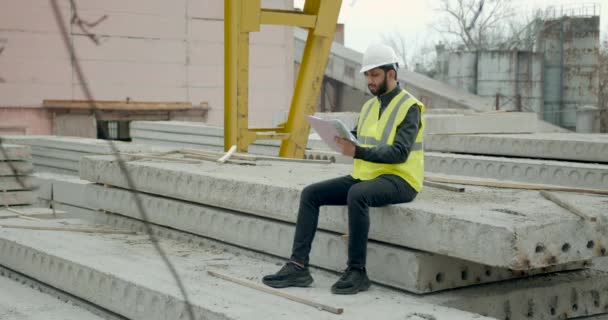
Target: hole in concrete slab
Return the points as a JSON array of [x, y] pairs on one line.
[[508, 211], [590, 244], [464, 275], [596, 303], [566, 247], [488, 272], [603, 251], [539, 248], [439, 277], [574, 307]]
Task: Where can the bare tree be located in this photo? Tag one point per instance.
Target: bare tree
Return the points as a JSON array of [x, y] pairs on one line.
[[398, 42], [474, 24]]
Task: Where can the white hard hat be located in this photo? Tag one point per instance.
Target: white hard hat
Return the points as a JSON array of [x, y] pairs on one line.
[[378, 55]]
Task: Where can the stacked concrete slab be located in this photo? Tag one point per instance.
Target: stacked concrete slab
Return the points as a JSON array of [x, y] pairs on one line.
[[61, 154], [198, 135], [531, 171], [16, 184], [545, 296], [503, 236], [19, 301], [428, 272], [559, 146], [494, 217], [107, 271]]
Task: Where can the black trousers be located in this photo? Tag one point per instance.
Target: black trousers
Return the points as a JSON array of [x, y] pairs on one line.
[[358, 196]]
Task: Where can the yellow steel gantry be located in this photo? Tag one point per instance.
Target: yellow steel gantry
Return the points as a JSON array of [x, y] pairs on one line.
[[244, 16]]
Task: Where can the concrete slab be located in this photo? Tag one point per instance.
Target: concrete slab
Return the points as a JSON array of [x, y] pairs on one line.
[[197, 142], [65, 189], [177, 130], [43, 152], [9, 183], [526, 122], [513, 302], [548, 172], [13, 152], [86, 145], [18, 302], [45, 169], [107, 270], [556, 296], [459, 121], [13, 198], [504, 228], [9, 168], [570, 146], [63, 164], [412, 270], [29, 211]]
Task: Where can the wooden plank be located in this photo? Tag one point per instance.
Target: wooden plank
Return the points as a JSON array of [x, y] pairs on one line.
[[443, 186], [553, 198], [70, 229], [276, 292], [511, 185], [116, 105]]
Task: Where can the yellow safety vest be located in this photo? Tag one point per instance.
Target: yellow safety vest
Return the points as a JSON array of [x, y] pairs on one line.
[[373, 131]]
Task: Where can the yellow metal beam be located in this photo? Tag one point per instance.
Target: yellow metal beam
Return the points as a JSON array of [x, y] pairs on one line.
[[310, 75], [288, 18], [250, 15], [244, 16], [232, 19]]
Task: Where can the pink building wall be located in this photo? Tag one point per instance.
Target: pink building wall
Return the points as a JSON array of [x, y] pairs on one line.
[[149, 50]]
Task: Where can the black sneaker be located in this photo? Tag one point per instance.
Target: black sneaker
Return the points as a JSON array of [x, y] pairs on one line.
[[290, 275], [352, 281]]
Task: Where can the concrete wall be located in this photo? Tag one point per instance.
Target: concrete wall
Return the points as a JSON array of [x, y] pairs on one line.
[[581, 72], [530, 80], [571, 47], [512, 75], [149, 50], [462, 70]]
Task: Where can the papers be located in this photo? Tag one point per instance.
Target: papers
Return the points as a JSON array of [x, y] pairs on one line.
[[329, 129]]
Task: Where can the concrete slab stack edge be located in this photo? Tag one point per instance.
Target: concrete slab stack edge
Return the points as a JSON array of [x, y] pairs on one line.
[[387, 264], [137, 298], [510, 248], [559, 173], [573, 147]]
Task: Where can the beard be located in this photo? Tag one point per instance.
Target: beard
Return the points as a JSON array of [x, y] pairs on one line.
[[379, 89]]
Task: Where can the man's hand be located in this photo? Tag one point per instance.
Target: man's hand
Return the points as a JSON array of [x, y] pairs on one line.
[[347, 146]]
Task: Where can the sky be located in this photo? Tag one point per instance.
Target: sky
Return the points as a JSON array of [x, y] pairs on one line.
[[367, 20]]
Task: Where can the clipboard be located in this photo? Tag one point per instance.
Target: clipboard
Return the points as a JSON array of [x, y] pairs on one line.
[[329, 129]]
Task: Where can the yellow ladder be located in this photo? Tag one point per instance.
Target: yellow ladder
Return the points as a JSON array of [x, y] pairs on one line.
[[244, 16]]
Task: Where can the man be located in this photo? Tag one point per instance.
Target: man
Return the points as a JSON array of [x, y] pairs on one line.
[[388, 169]]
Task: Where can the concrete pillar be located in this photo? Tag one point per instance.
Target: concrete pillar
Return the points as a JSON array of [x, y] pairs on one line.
[[585, 118]]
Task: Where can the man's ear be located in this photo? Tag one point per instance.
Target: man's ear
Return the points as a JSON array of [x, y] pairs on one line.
[[394, 74]]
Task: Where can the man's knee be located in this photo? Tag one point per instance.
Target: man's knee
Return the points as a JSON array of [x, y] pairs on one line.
[[356, 194], [309, 194]]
